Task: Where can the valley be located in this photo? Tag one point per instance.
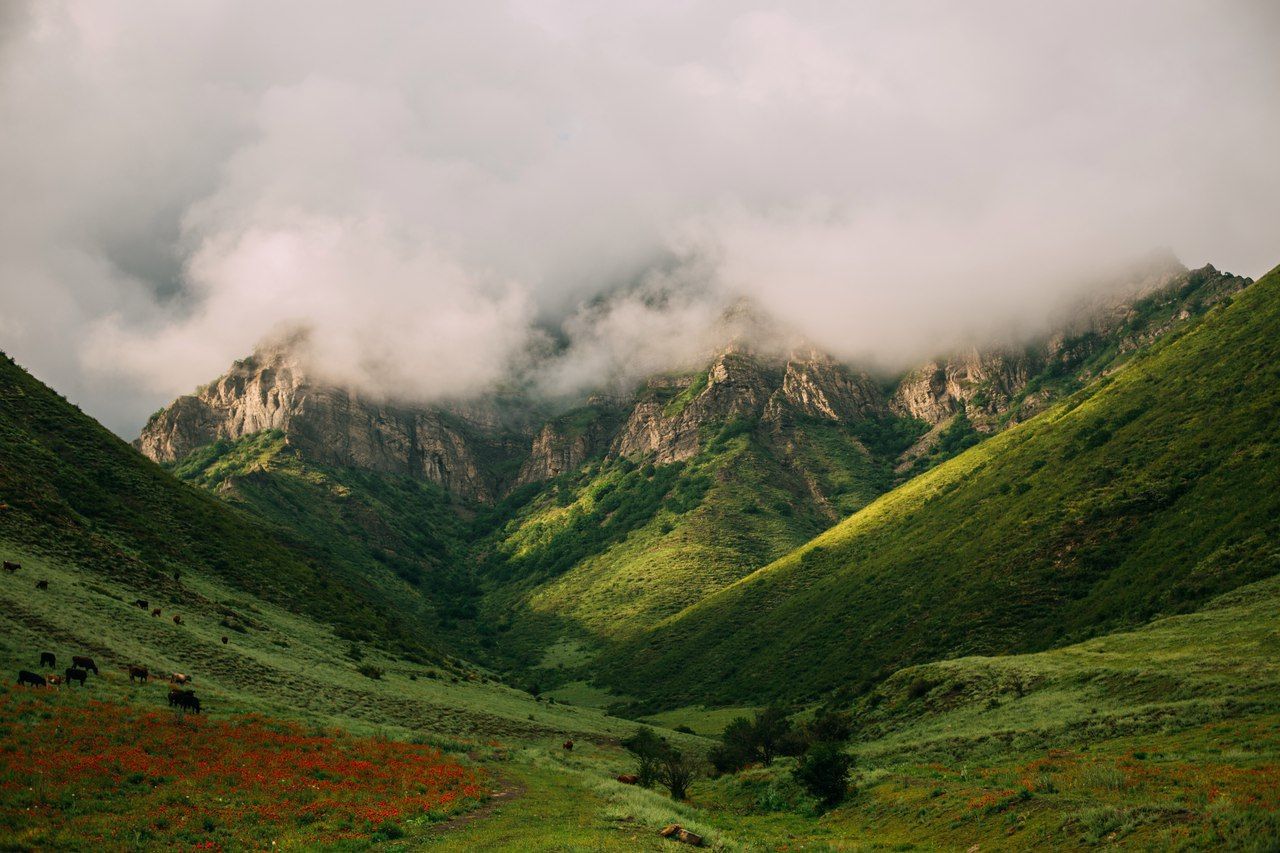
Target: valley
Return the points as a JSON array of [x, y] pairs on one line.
[[1042, 584]]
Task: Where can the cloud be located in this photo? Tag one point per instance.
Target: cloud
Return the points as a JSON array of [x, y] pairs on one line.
[[429, 187]]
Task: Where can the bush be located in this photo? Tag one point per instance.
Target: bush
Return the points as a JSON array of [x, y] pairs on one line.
[[676, 771], [762, 739], [648, 749], [370, 671], [824, 772]]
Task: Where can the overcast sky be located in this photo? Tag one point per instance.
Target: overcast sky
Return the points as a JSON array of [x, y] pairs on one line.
[[426, 185]]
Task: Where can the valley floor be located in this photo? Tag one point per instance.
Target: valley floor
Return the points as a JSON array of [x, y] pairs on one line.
[[1089, 750]]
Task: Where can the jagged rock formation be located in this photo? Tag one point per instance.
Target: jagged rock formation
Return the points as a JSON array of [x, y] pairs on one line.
[[993, 385], [482, 448], [331, 426], [566, 443]]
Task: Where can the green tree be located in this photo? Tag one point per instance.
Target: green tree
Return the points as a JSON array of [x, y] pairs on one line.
[[676, 771], [770, 731], [649, 750], [823, 771]]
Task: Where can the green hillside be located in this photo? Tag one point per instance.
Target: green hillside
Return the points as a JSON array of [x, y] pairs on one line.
[[1147, 492], [398, 536], [71, 489], [615, 548]]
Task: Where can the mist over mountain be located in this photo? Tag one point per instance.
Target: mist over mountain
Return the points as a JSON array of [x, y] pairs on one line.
[[429, 189]]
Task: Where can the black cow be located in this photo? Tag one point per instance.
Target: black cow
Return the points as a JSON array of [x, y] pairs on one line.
[[42, 584], [26, 677], [11, 567], [74, 674], [141, 604], [85, 664], [47, 659], [138, 672], [185, 699]]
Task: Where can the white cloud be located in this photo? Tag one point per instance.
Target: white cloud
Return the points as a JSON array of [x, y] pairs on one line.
[[426, 184]]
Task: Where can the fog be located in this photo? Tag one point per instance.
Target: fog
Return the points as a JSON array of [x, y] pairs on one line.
[[448, 196]]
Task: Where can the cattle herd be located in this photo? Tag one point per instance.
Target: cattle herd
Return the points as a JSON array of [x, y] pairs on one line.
[[81, 666]]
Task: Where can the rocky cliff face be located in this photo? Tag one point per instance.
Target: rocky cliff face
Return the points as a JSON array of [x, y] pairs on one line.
[[994, 385], [466, 448], [270, 390], [670, 424]]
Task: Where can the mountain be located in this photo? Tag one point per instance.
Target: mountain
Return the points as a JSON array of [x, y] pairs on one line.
[[1147, 492], [537, 541], [71, 489]]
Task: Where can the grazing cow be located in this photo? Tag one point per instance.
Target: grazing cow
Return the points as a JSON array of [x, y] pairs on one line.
[[177, 620], [42, 584], [629, 779], [155, 612], [47, 659], [185, 699], [27, 677], [568, 745], [224, 641], [85, 663], [141, 604], [179, 678], [11, 567], [53, 680], [138, 672], [74, 674]]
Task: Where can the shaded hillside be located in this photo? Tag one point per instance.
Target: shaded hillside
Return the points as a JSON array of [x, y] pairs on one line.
[[1147, 492], [71, 489], [399, 536]]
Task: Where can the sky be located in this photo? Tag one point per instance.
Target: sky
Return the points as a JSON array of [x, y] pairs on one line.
[[446, 194]]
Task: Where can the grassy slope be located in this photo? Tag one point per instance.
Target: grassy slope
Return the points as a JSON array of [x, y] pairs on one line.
[[1147, 492], [72, 489], [398, 536], [612, 550]]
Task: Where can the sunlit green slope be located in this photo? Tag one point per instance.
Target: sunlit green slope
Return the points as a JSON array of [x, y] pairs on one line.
[[1148, 492]]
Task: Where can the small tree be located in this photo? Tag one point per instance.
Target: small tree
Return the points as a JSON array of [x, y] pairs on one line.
[[737, 747], [648, 749], [676, 771], [770, 731], [824, 772], [828, 727]]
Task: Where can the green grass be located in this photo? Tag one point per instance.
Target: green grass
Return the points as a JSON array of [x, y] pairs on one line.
[[1148, 492], [71, 489], [401, 540]]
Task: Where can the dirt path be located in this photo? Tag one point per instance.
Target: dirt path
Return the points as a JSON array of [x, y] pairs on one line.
[[508, 790]]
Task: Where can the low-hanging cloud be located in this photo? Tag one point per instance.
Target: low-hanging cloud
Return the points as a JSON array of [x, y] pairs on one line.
[[430, 187]]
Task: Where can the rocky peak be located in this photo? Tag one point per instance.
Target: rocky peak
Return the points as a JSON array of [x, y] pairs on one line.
[[990, 383], [328, 425]]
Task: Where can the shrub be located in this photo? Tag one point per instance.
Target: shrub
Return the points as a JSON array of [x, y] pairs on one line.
[[370, 671], [676, 771], [823, 771], [648, 749]]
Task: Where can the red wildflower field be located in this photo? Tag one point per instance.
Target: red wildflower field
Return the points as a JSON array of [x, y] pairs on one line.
[[89, 774]]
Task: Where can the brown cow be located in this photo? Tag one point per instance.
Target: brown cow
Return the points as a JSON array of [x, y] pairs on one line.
[[53, 680], [179, 678], [177, 620], [138, 672], [629, 779], [155, 612], [11, 567], [42, 584], [568, 745], [84, 663]]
